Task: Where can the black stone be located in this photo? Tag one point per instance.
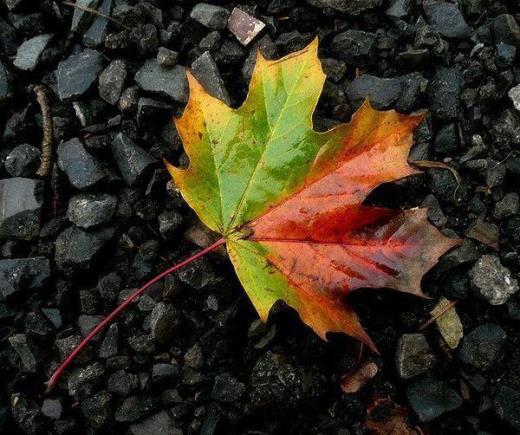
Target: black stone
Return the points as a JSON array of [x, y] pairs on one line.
[[483, 346], [431, 397], [355, 46], [446, 19], [507, 406], [22, 161], [506, 30], [168, 82], [27, 415], [21, 201], [83, 376], [52, 408], [381, 92], [82, 18], [151, 112], [446, 140], [210, 16], [164, 320], [227, 388], [82, 168], [112, 81], [90, 210], [21, 344], [491, 281], [96, 33], [159, 423], [29, 53], [5, 84], [122, 383], [413, 356], [97, 409], [508, 206], [77, 73], [351, 7], [444, 92], [77, 248], [206, 71], [132, 160], [167, 57]]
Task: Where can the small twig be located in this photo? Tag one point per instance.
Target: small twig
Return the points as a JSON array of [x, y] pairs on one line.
[[95, 12], [425, 164], [439, 314], [46, 160]]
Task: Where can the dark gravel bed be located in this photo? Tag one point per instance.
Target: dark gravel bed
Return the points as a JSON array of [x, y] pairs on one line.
[[191, 356]]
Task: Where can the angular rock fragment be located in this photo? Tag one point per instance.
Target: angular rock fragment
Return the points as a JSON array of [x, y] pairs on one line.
[[244, 26], [21, 201], [132, 160], [77, 73], [29, 53], [206, 71], [112, 81], [168, 82], [210, 16], [18, 274]]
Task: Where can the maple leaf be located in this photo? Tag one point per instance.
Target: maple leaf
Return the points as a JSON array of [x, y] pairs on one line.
[[289, 200]]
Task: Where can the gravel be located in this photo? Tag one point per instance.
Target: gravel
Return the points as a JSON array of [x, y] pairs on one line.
[[191, 356]]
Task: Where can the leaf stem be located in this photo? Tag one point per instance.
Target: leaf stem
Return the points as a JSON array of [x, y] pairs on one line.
[[51, 383]]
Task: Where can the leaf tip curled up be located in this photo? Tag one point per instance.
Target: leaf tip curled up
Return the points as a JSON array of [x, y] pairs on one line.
[[300, 194]]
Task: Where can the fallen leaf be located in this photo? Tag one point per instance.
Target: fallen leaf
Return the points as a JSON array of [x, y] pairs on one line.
[[353, 381], [288, 200], [388, 418], [448, 323]]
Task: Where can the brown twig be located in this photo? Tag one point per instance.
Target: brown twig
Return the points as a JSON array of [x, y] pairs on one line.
[[437, 315], [95, 12], [46, 161], [425, 164]]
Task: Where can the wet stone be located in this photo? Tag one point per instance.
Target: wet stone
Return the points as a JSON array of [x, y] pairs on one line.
[[483, 346], [447, 19], [97, 410], [355, 46], [21, 201], [413, 356], [227, 388], [29, 53], [96, 33], [77, 248], [52, 408], [112, 81], [507, 406], [81, 18], [110, 344], [165, 81], [83, 376], [398, 8], [27, 415], [159, 423], [82, 168], [18, 274], [132, 160], [151, 112], [90, 210], [514, 95], [206, 71], [77, 73], [492, 281], [431, 397], [351, 7], [163, 322], [122, 383], [506, 29], [444, 92], [23, 161], [508, 206], [20, 343], [5, 84], [167, 57], [210, 16], [381, 92], [135, 407], [244, 26], [163, 372], [169, 222]]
